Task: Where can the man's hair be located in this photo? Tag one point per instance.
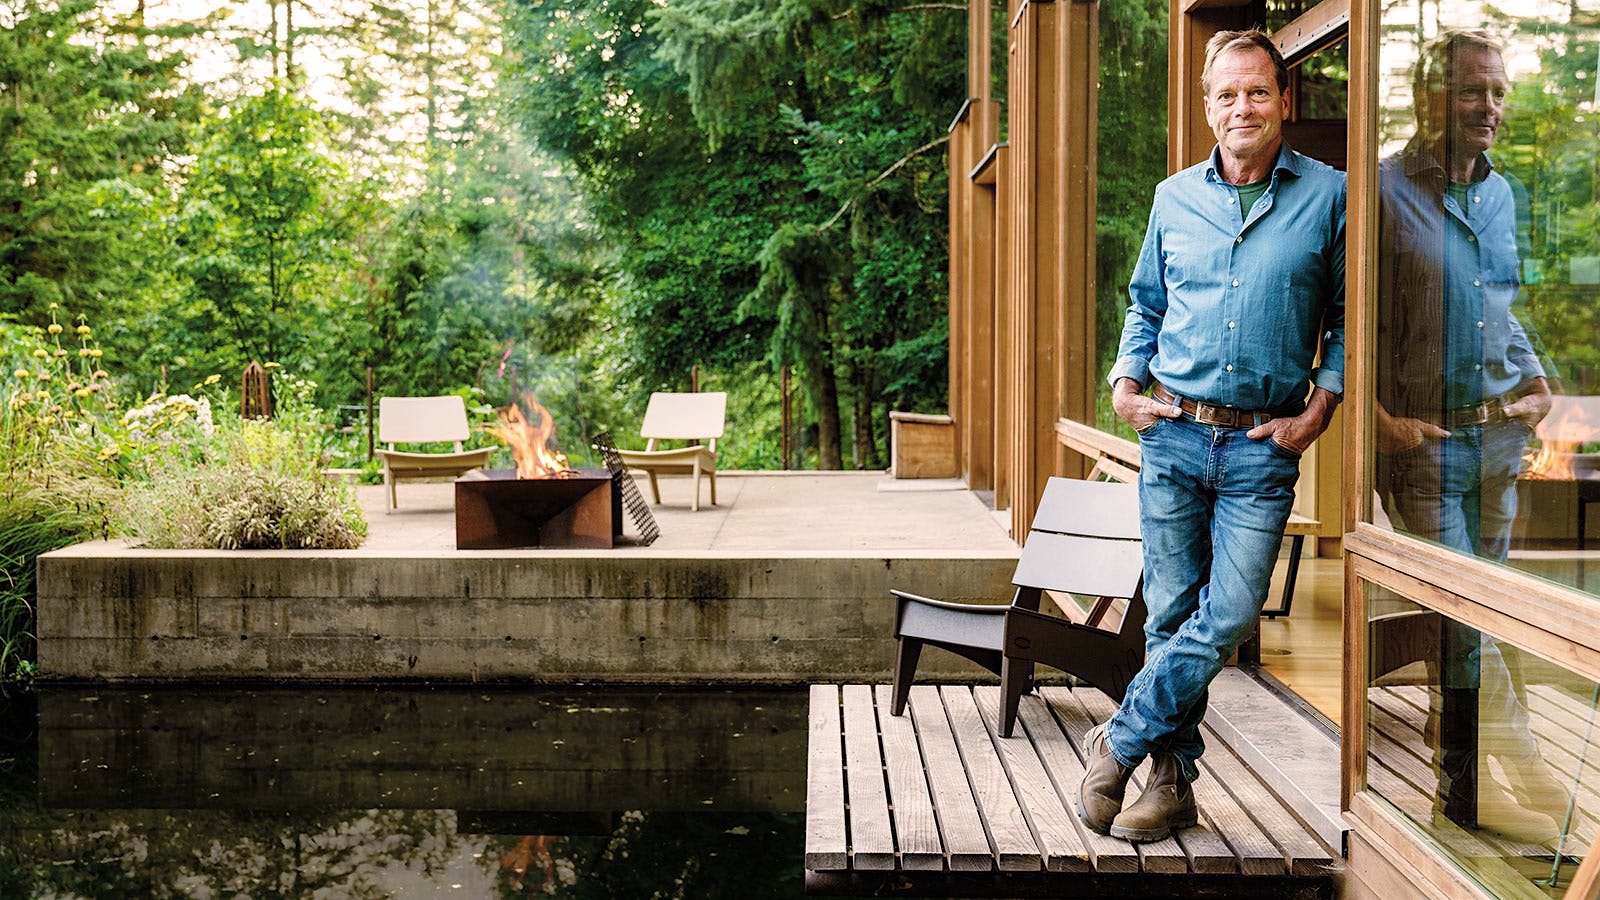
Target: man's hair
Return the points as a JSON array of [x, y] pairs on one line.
[[1436, 63], [1229, 41]]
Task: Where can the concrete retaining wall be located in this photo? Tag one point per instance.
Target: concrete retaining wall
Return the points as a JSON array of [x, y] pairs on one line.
[[110, 612]]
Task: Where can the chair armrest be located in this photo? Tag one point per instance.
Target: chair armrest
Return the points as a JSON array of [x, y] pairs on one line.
[[987, 608]]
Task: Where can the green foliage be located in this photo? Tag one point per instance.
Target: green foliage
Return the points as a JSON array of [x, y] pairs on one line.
[[91, 109], [1132, 147], [261, 225], [57, 480]]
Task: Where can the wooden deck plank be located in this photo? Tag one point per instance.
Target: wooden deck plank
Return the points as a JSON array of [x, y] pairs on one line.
[[825, 822], [1303, 853], [1015, 849], [1061, 761], [1403, 721], [966, 844], [916, 830], [871, 836], [1054, 828], [1164, 856], [1409, 782]]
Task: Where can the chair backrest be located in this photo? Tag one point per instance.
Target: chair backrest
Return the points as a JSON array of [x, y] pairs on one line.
[[421, 420], [1085, 540], [685, 417]]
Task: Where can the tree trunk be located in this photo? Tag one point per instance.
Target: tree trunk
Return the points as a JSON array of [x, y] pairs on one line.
[[823, 387]]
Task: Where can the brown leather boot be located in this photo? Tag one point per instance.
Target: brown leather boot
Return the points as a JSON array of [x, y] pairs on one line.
[[1167, 803], [1105, 782]]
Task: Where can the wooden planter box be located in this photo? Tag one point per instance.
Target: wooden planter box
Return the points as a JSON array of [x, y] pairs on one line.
[[922, 446]]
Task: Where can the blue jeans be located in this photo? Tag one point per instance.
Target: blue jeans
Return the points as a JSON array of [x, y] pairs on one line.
[[1212, 507]]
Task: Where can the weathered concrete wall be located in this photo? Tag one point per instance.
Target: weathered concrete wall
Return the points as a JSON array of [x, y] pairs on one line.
[[110, 612]]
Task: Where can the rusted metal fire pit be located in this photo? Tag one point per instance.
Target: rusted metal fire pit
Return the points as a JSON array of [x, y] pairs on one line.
[[542, 502], [496, 510]]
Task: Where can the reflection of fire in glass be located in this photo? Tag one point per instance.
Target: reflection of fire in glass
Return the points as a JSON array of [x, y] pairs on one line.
[[530, 441], [1572, 422]]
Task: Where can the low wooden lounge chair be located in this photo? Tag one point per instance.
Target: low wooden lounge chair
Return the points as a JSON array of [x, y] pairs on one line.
[[681, 417], [424, 420], [1085, 542]]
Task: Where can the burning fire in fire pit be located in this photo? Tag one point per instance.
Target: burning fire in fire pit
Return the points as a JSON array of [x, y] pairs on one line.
[[1572, 422], [544, 503], [530, 443]]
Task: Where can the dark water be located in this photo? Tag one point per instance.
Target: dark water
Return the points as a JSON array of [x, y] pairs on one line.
[[408, 792]]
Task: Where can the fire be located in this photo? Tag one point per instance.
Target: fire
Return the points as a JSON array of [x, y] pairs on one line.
[[529, 443], [1571, 423]]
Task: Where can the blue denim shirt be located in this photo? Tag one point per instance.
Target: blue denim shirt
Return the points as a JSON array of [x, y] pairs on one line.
[[1230, 313], [1447, 279]]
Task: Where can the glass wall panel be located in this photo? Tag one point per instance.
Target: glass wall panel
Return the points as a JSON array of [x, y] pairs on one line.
[[1132, 160], [1489, 750], [1487, 379]]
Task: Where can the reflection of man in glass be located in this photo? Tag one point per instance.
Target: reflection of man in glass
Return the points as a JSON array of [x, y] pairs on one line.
[[1459, 391]]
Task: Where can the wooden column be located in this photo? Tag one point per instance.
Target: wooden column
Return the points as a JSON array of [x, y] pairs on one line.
[[960, 233], [1004, 391], [1077, 135], [977, 425]]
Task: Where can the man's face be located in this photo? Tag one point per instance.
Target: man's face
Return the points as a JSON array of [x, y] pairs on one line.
[[1474, 102], [1244, 105]]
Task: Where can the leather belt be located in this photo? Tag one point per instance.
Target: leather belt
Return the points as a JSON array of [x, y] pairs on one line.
[[1490, 410], [1224, 416]]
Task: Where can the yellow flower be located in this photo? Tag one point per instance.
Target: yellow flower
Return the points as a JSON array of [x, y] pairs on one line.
[[83, 351], [21, 373], [43, 376], [101, 373], [61, 353], [83, 329], [81, 392], [109, 451], [54, 328], [96, 353], [213, 379], [270, 365], [41, 354], [67, 414], [94, 388], [43, 395], [55, 306]]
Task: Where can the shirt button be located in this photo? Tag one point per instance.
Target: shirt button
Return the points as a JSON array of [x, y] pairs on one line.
[[1239, 239], [1236, 282], [1472, 238], [1477, 198], [1230, 201], [1477, 368], [1480, 324], [1476, 283], [1232, 324], [1230, 367]]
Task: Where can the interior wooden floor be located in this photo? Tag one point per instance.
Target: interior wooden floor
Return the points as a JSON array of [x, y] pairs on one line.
[[1304, 649]]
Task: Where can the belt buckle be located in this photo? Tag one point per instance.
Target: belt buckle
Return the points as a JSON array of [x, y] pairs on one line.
[[1479, 415], [1211, 414]]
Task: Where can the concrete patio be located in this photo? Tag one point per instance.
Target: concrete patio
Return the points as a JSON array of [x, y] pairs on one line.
[[786, 581]]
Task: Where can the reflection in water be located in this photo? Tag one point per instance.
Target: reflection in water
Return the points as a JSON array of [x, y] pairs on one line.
[[367, 792]]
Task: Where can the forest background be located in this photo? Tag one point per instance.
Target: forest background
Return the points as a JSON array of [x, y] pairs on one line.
[[486, 197]]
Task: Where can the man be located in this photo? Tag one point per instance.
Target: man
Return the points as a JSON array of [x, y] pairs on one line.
[[1459, 388], [1242, 270]]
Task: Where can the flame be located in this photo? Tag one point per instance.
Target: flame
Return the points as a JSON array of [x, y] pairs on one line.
[[529, 443], [1566, 428]]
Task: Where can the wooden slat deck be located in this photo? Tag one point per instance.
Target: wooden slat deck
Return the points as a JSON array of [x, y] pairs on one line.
[[1403, 769], [935, 801]]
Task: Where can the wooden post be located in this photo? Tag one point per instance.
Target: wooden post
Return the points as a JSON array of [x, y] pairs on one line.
[[785, 417], [370, 428], [255, 394], [694, 379]]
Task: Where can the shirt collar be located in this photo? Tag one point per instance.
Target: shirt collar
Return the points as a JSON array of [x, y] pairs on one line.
[[1418, 159], [1287, 161]]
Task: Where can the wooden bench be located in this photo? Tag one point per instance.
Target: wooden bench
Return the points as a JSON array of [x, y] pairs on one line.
[[938, 802], [1117, 459]]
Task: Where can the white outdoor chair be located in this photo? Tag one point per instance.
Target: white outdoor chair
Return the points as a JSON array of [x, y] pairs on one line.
[[424, 420], [681, 417]]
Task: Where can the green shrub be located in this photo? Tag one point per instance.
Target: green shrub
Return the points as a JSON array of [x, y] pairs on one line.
[[256, 486]]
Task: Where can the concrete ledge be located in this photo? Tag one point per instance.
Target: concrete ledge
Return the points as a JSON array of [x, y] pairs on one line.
[[111, 612]]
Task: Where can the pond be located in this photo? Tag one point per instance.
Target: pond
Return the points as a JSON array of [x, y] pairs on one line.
[[402, 791]]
